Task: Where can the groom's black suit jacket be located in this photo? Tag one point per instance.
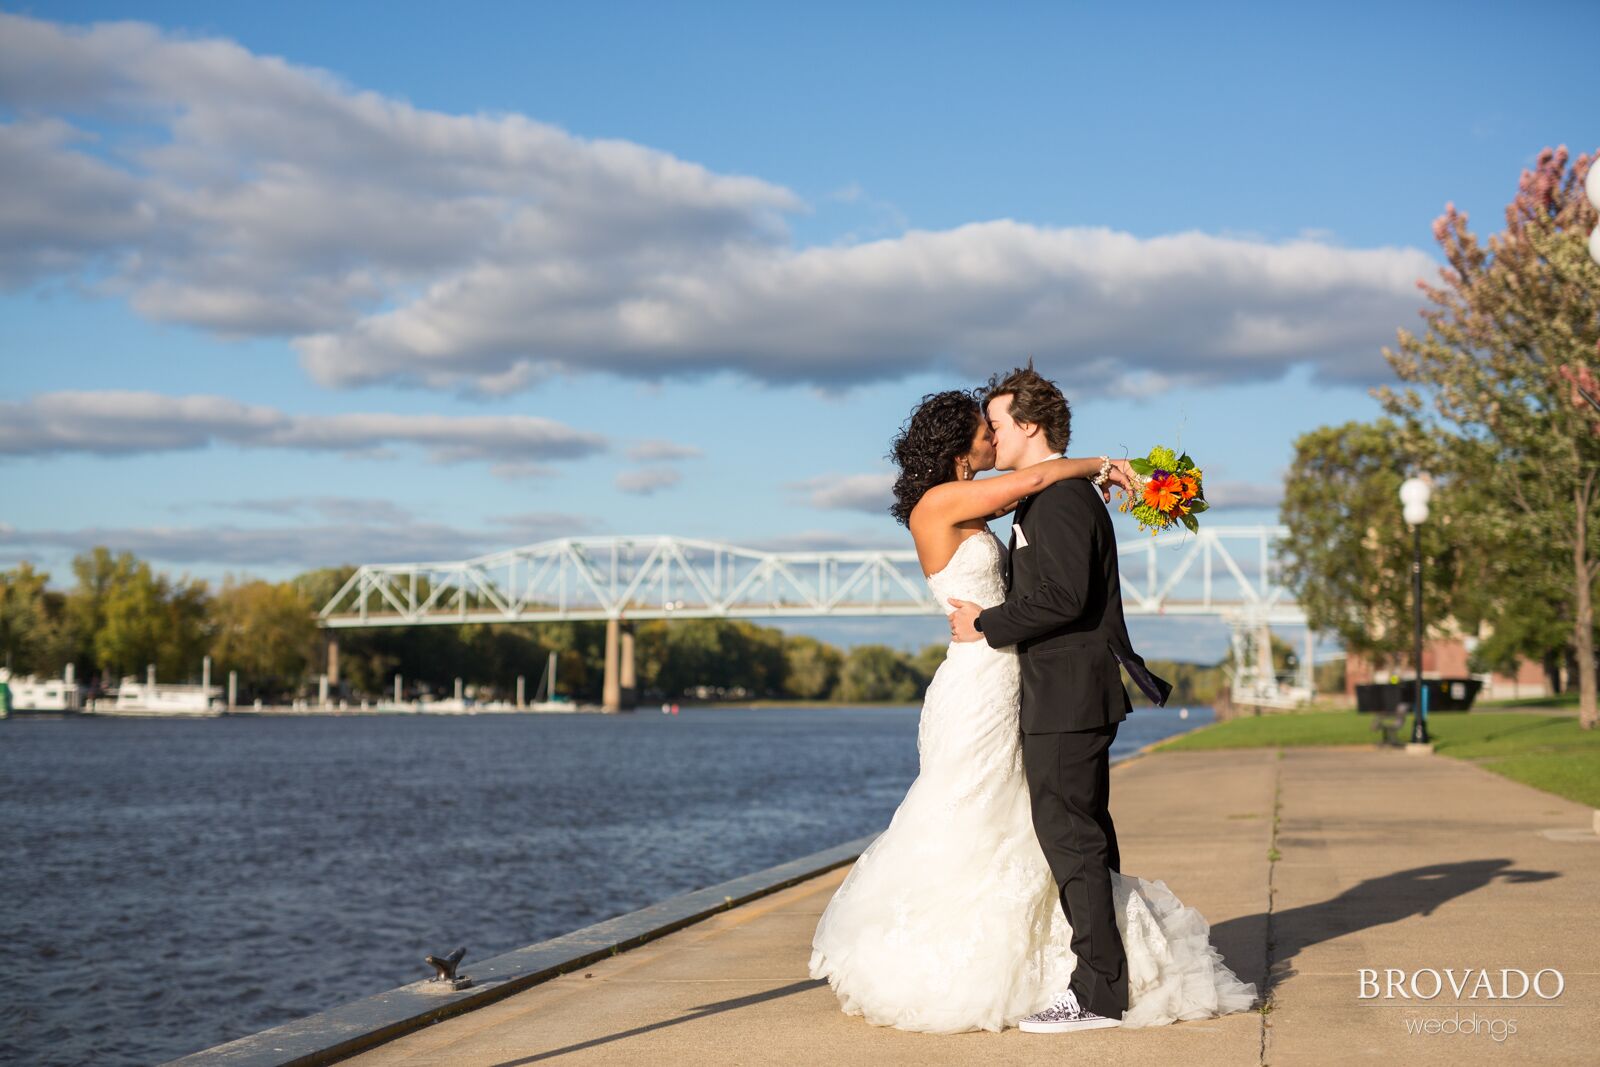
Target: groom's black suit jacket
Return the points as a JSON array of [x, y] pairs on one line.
[[1063, 611]]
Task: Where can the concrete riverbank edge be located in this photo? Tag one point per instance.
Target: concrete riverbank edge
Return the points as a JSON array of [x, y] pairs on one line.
[[332, 1035], [341, 1032]]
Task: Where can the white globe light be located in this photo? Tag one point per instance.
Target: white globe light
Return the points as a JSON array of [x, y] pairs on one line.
[[1594, 238], [1415, 491], [1591, 185], [1414, 494]]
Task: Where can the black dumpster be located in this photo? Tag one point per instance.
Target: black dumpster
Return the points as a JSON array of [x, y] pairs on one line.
[[1380, 696], [1444, 694]]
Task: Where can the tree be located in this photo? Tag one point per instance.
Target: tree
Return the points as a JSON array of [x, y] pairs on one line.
[[1585, 385], [811, 668], [96, 572], [263, 630], [762, 662], [1192, 683], [1348, 554], [35, 636], [317, 587], [686, 653], [926, 662], [1508, 316], [877, 672], [147, 619]]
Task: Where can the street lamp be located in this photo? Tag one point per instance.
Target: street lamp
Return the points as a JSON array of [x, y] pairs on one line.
[[1591, 186], [1414, 493]]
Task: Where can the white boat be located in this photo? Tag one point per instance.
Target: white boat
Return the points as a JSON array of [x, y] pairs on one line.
[[463, 704], [547, 686], [396, 707], [134, 697], [30, 694], [447, 706]]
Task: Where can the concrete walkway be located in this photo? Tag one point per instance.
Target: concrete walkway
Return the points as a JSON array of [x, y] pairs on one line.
[[1310, 866]]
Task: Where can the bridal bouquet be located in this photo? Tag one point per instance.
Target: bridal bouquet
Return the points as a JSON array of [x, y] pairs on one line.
[[1166, 489]]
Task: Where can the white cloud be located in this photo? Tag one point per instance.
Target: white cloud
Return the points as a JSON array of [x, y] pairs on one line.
[[355, 509], [359, 538], [62, 207], [274, 199], [519, 471], [253, 197], [829, 541], [871, 493], [120, 423], [643, 481], [529, 526], [658, 451], [1244, 494], [1096, 306]]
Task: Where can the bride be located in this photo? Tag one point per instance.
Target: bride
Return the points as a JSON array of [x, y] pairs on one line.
[[951, 920]]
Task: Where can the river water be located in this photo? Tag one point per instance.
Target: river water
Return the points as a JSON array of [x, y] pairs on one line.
[[169, 885]]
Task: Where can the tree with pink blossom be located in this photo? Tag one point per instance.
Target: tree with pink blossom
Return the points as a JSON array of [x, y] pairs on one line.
[[1512, 333], [1585, 391]]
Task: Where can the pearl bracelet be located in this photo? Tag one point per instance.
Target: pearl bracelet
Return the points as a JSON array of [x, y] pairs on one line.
[[1105, 472]]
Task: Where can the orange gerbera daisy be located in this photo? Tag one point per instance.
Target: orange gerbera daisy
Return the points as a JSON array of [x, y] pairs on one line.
[[1161, 494], [1190, 486]]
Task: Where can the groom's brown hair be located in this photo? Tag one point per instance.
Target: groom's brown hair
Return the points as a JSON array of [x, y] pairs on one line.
[[1034, 399]]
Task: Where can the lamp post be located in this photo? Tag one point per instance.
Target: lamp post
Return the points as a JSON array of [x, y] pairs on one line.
[[1591, 187], [1414, 493]]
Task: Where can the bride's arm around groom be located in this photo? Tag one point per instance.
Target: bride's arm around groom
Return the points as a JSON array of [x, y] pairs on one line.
[[1058, 530]]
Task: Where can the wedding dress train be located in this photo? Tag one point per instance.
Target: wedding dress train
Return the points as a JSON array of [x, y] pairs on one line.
[[950, 921]]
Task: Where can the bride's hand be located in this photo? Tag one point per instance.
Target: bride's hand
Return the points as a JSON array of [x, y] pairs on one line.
[[1121, 476]]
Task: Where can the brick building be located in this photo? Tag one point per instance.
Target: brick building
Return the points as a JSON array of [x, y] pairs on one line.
[[1447, 658]]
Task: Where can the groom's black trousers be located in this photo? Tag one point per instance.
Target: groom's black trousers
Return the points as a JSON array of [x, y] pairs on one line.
[[1070, 785]]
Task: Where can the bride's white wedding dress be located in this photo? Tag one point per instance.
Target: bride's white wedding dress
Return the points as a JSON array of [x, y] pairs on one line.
[[950, 920]]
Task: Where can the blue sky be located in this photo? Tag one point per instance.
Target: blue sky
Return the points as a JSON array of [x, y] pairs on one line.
[[705, 260]]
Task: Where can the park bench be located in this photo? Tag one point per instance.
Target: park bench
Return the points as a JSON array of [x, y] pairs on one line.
[[1391, 722]]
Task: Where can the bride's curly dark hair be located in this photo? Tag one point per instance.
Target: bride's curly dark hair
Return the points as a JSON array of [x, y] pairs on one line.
[[939, 429]]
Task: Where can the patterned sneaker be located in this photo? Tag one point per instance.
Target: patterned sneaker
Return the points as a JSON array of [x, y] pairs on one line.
[[1064, 1015]]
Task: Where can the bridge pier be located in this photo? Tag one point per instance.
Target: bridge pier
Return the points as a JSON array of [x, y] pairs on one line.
[[629, 681], [333, 661], [620, 690]]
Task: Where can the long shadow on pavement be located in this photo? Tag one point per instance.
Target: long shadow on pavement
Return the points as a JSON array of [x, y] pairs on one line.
[[697, 1013], [1374, 902]]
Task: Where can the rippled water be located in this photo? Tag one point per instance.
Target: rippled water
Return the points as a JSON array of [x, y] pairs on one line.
[[169, 885]]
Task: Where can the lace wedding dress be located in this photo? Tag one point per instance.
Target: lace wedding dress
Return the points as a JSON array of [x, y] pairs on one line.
[[950, 920]]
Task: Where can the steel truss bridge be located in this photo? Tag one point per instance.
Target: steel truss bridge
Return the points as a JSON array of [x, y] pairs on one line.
[[1230, 573]]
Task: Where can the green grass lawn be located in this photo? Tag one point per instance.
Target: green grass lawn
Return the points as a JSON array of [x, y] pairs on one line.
[[1548, 752], [1560, 700]]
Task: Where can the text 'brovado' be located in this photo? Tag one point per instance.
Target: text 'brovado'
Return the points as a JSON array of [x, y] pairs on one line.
[[1428, 983]]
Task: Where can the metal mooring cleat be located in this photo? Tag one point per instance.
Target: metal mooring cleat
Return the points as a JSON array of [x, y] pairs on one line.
[[445, 969]]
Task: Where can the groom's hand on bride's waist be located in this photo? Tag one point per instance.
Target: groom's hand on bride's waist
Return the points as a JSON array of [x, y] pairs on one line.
[[962, 620]]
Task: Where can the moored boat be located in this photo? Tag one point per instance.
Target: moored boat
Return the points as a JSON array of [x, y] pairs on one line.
[[148, 698], [31, 695]]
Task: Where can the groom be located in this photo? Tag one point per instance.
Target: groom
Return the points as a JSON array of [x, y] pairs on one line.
[[1063, 611]]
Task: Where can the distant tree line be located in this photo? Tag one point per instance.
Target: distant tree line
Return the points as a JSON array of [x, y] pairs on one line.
[[120, 616]]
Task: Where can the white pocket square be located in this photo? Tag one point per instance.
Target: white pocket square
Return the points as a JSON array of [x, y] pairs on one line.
[[1022, 538]]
